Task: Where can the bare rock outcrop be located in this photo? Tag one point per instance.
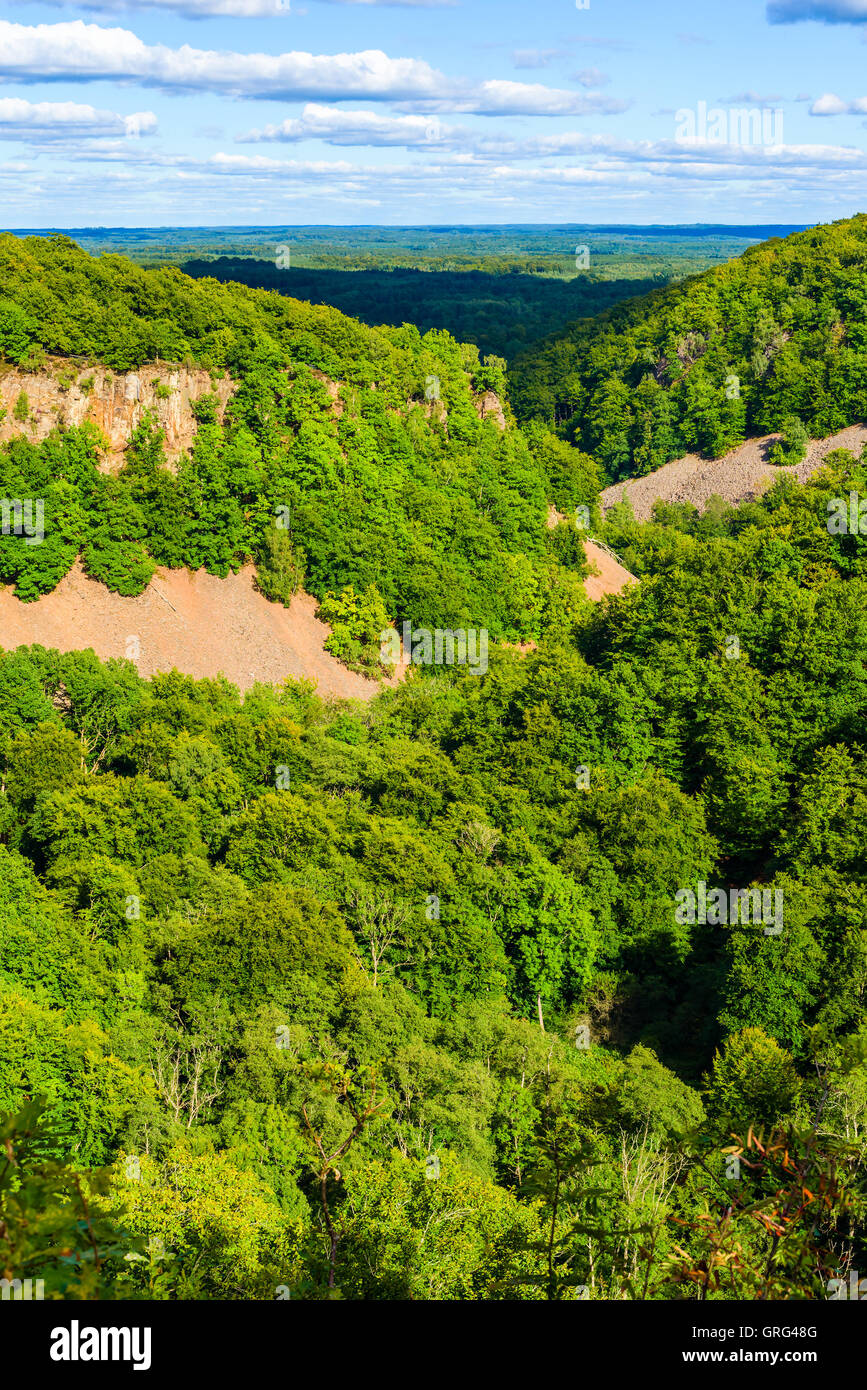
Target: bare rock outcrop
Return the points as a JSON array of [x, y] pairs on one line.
[[490, 407], [333, 389], [66, 394], [739, 476]]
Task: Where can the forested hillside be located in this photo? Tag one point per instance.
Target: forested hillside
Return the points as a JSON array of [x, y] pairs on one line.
[[540, 982], [773, 341], [367, 464]]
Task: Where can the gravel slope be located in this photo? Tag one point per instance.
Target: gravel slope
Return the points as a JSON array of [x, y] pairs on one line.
[[207, 626], [197, 622], [611, 577], [740, 476]]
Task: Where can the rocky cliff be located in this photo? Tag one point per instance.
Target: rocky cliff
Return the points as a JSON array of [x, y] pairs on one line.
[[64, 393]]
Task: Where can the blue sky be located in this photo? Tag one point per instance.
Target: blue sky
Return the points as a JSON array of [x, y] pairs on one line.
[[190, 112]]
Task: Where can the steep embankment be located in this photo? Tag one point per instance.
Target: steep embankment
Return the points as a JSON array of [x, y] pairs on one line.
[[198, 623], [205, 626], [607, 575], [739, 476]]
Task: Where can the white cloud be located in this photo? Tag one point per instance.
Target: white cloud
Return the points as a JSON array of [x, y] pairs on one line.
[[592, 77], [79, 52], [260, 164], [750, 99], [533, 57], [603, 157], [642, 177], [202, 9], [86, 52], [532, 99], [828, 105], [339, 127], [831, 105], [603, 151], [502, 98], [479, 148], [65, 120], [190, 9], [398, 4]]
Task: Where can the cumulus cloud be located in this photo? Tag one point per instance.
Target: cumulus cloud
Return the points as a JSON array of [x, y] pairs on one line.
[[525, 99], [826, 11], [503, 98], [831, 105], [66, 120], [693, 159], [601, 156], [476, 147], [339, 127], [79, 52], [605, 172]]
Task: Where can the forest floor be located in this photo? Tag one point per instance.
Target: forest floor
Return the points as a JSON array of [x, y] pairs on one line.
[[740, 476]]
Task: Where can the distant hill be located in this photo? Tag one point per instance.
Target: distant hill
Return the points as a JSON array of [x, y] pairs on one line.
[[773, 339]]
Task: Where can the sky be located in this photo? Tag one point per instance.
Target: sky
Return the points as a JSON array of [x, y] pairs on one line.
[[128, 113]]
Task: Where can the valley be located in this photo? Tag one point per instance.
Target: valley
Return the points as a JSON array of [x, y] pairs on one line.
[[322, 980]]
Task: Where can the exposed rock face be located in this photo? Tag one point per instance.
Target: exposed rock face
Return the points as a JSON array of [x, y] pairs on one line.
[[490, 407], [435, 410], [63, 393]]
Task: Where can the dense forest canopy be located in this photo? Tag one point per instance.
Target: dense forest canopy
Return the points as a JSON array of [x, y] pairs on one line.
[[772, 341], [233, 928], [407, 1000]]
